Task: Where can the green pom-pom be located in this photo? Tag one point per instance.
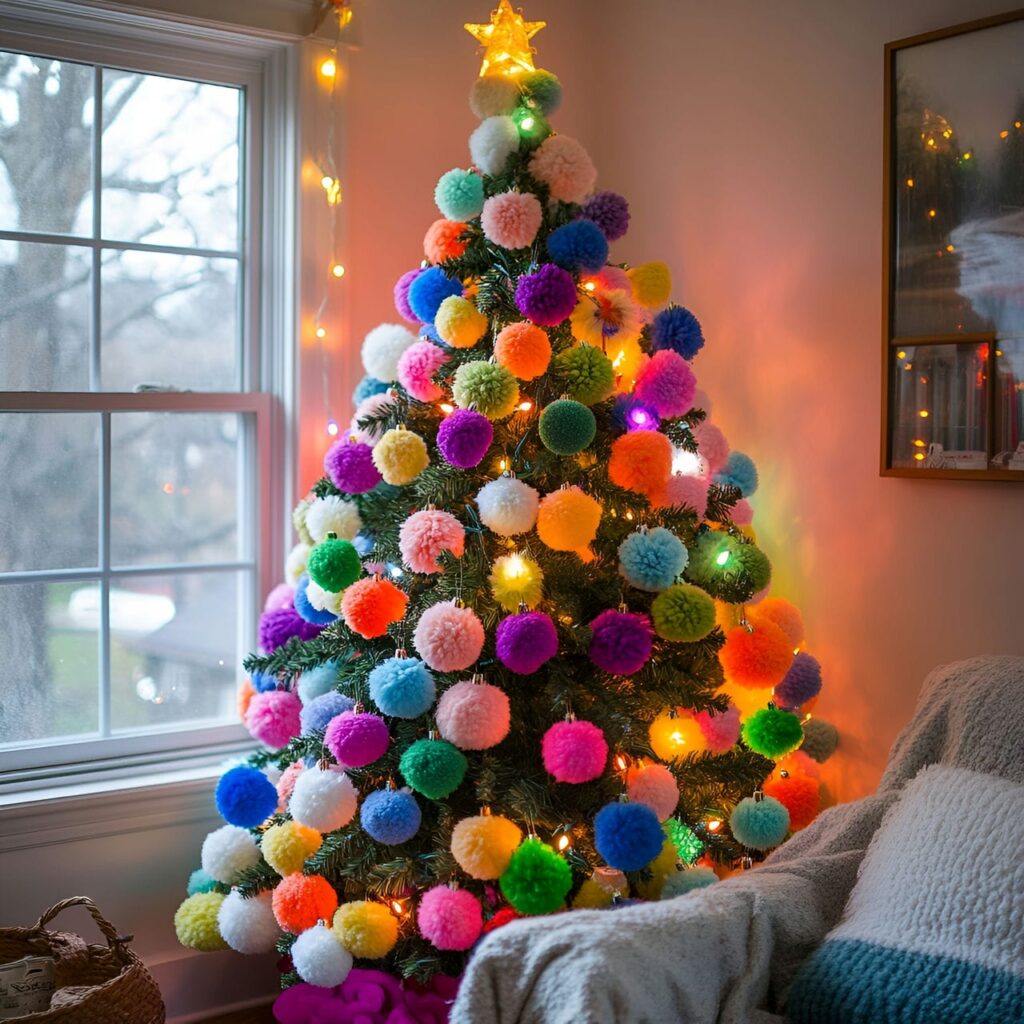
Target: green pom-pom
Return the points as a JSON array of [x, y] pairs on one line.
[[195, 922], [543, 88], [537, 879], [773, 732], [334, 564], [820, 739], [487, 386], [684, 613], [727, 568], [460, 195], [567, 427], [586, 374], [200, 881], [434, 768], [753, 562], [684, 839]]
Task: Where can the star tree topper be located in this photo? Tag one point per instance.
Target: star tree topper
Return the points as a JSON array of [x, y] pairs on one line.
[[506, 41]]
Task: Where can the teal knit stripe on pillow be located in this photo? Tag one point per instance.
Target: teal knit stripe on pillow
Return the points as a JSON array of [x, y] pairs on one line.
[[850, 982]]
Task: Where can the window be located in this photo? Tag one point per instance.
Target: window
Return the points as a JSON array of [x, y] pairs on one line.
[[137, 424]]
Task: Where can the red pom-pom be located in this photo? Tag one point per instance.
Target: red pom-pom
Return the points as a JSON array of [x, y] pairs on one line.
[[759, 659], [502, 917], [441, 241], [302, 900], [800, 796], [370, 605], [641, 461]]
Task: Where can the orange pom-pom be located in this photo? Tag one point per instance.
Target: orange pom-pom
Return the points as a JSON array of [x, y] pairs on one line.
[[567, 519], [759, 659], [370, 605], [783, 613], [798, 763], [246, 692], [800, 796], [442, 241], [747, 700], [301, 900], [641, 461], [523, 349]]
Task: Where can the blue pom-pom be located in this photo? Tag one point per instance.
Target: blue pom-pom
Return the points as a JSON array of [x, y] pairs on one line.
[[460, 194], [739, 471], [578, 245], [363, 543], [628, 836], [428, 332], [390, 816], [677, 329], [200, 881], [368, 387], [316, 681], [402, 687], [429, 290], [245, 797], [801, 684], [652, 559], [306, 610], [629, 413], [759, 824], [263, 682], [315, 715]]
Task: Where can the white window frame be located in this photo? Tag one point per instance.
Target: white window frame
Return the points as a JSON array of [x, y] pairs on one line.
[[264, 67]]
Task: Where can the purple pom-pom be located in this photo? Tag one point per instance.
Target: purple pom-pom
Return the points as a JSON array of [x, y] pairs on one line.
[[547, 296], [610, 212], [402, 286], [464, 438], [802, 682], [525, 641], [277, 627], [620, 642], [676, 328], [350, 466], [356, 738]]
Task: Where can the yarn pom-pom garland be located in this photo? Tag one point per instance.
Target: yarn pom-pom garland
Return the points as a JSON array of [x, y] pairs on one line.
[[515, 580], [228, 851], [483, 845], [574, 751], [801, 683], [306, 609], [332, 514], [681, 882], [610, 212], [652, 559], [523, 349], [620, 642], [417, 366], [464, 437], [245, 796], [274, 718], [425, 535], [349, 464], [628, 836], [459, 194], [401, 296], [287, 845], [426, 293], [772, 732], [512, 219], [448, 638], [586, 374], [319, 958], [372, 604], [820, 739], [526, 641], [537, 879], [495, 94], [323, 799], [367, 929], [652, 284], [667, 384], [402, 687], [543, 88], [641, 461], [279, 625], [357, 738], [799, 794], [195, 922], [547, 296], [567, 519], [758, 659], [740, 472], [654, 785], [683, 613], [473, 715], [566, 427], [783, 613], [677, 329], [721, 729], [493, 141], [488, 387], [433, 768], [450, 919], [383, 347], [565, 167], [578, 246], [459, 323], [400, 456], [302, 900], [443, 240], [390, 816], [508, 506], [334, 564], [248, 925], [759, 824]]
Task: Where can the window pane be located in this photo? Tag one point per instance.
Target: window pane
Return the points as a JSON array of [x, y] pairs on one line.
[[170, 161], [175, 648], [1010, 404], [44, 317], [174, 487], [169, 321], [45, 144], [50, 667], [49, 505]]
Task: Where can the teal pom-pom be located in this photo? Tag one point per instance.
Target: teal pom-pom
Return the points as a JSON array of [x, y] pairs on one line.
[[586, 374], [773, 732], [368, 387], [537, 879], [543, 88], [680, 882], [567, 427], [200, 881], [315, 682], [628, 836], [652, 559], [739, 471], [487, 386], [402, 687], [434, 768], [759, 823], [460, 194], [334, 564]]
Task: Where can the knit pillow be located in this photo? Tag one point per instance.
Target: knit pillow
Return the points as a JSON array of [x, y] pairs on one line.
[[933, 932]]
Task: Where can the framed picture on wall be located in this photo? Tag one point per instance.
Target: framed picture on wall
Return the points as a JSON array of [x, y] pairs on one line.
[[953, 294]]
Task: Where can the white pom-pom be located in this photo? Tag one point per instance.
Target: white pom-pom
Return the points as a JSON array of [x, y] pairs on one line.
[[228, 850], [383, 347], [248, 925], [333, 515], [508, 506], [319, 958], [324, 799], [323, 600], [493, 141], [295, 564]]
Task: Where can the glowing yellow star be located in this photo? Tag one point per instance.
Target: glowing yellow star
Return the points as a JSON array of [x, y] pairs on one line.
[[506, 41]]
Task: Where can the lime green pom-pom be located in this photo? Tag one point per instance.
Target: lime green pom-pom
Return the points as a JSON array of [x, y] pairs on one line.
[[195, 922], [334, 564], [684, 613], [434, 768], [567, 427], [751, 561], [487, 386], [537, 879], [773, 732], [727, 568], [586, 374]]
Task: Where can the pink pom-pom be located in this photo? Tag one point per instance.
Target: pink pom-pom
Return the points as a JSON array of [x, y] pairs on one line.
[[425, 534], [286, 783], [450, 918], [721, 730], [512, 219], [356, 738], [742, 513], [574, 751], [612, 279], [473, 716], [684, 491], [448, 638], [416, 365], [375, 405], [654, 785], [565, 167], [282, 596], [666, 384], [712, 446], [273, 718]]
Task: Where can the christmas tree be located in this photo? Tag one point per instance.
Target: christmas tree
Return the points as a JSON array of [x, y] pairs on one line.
[[525, 659]]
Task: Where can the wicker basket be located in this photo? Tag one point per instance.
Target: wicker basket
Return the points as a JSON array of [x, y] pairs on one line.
[[95, 984]]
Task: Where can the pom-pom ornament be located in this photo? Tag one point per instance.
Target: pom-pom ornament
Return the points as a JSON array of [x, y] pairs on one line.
[[319, 958], [401, 296], [757, 659], [248, 925], [493, 141], [579, 246], [652, 284], [323, 799], [610, 212], [483, 845], [628, 836], [759, 822], [681, 882], [368, 930], [508, 506], [390, 816], [652, 559], [799, 794], [349, 464], [667, 384], [620, 641], [543, 88], [683, 613], [523, 349], [566, 427], [433, 768], [383, 347], [537, 879], [547, 296], [721, 729], [464, 437], [334, 564], [286, 783], [574, 751], [740, 472], [357, 738], [641, 461], [300, 901], [567, 519], [333, 515], [400, 456], [426, 293], [473, 715], [488, 387], [820, 739], [317, 681], [370, 605], [784, 614], [516, 579], [772, 732], [402, 687], [512, 219], [425, 535], [459, 323], [227, 851], [195, 922], [450, 919], [287, 845], [801, 683], [279, 625], [417, 367], [677, 329], [200, 881], [565, 167], [592, 896], [274, 718], [443, 240], [448, 637], [305, 607], [653, 785], [586, 374], [459, 194], [366, 387], [245, 796], [526, 641], [673, 736]]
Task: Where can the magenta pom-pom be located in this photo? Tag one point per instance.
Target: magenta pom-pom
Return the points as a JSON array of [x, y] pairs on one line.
[[417, 365], [448, 638], [349, 464], [425, 534], [282, 596], [402, 286], [450, 918], [620, 642], [525, 641], [356, 738], [277, 627], [464, 437], [574, 751], [656, 786], [667, 384], [547, 296], [274, 718], [721, 729], [473, 716]]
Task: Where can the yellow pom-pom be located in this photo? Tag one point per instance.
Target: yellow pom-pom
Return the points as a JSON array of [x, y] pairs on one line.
[[459, 323], [367, 930], [400, 456], [285, 847], [483, 845], [591, 897], [516, 579], [567, 520], [195, 922], [652, 284], [676, 737], [661, 867], [628, 359]]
